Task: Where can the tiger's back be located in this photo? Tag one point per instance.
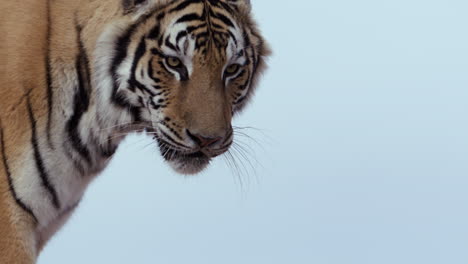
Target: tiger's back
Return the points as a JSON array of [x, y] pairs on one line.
[[77, 76]]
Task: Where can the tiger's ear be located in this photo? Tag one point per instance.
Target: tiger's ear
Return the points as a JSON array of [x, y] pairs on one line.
[[243, 4], [130, 6], [143, 6]]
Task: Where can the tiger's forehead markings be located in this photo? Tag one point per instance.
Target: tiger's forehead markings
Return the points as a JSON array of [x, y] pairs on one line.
[[204, 27]]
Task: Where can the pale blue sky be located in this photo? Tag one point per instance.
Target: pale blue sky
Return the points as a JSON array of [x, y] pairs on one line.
[[363, 156]]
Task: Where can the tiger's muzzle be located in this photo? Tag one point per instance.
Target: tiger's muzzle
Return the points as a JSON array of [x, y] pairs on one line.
[[195, 153]]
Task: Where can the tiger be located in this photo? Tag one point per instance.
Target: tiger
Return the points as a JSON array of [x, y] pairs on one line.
[[78, 76]]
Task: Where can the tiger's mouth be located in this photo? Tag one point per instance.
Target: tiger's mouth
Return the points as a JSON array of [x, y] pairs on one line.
[[187, 163]]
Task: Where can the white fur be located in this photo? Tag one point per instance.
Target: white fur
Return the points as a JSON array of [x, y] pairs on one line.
[[68, 182]]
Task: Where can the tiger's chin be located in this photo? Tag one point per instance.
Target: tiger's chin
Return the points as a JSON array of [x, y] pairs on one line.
[[185, 163], [189, 166]]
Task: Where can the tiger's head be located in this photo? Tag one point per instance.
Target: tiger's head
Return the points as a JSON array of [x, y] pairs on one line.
[[183, 68]]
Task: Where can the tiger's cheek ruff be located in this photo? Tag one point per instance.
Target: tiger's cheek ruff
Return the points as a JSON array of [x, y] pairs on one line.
[[126, 80]]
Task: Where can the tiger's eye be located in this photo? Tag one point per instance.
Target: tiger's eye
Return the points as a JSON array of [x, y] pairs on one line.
[[233, 68], [174, 62]]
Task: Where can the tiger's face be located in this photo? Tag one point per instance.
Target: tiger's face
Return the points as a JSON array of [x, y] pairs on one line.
[[194, 65]]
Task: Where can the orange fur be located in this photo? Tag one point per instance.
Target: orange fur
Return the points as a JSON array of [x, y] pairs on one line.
[[38, 33]]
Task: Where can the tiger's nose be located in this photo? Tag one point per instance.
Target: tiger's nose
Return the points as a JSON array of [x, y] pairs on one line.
[[203, 141]]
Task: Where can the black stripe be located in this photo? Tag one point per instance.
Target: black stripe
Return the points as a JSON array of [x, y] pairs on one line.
[[80, 100], [247, 41], [171, 140], [121, 47], [183, 5], [122, 43], [76, 163], [213, 2], [151, 72], [160, 16], [181, 35], [38, 158], [164, 123], [105, 149], [110, 149], [240, 100], [50, 95], [255, 60], [155, 32], [189, 18], [154, 105], [139, 53], [10, 180], [122, 101], [223, 18], [233, 4], [215, 25], [190, 29], [233, 37], [136, 84], [242, 87], [168, 44], [225, 6], [155, 51]]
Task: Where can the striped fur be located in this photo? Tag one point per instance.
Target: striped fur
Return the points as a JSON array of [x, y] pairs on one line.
[[80, 75]]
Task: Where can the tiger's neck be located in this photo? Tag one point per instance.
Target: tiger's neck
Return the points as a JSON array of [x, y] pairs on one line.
[[79, 125]]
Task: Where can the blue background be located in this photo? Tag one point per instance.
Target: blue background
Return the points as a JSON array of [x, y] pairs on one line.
[[359, 153]]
